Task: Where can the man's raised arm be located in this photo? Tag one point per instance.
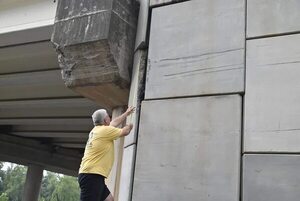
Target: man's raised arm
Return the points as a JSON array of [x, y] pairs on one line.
[[118, 120]]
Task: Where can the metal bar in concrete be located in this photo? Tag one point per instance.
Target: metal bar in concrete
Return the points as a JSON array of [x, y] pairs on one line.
[[33, 183]]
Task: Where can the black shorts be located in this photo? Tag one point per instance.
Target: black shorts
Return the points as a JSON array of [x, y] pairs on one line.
[[92, 187]]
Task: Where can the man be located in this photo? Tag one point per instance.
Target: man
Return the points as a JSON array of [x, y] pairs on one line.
[[98, 156]]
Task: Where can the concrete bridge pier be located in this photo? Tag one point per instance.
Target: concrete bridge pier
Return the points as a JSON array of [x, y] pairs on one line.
[[33, 183]]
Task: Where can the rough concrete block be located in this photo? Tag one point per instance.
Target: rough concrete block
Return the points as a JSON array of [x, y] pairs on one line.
[[272, 110], [95, 44], [161, 2], [268, 17], [271, 177], [127, 173], [203, 57], [189, 152], [136, 93]]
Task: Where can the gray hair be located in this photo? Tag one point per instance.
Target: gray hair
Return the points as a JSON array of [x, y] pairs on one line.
[[98, 117]]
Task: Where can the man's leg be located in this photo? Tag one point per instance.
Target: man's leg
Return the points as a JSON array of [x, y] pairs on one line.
[[109, 198]]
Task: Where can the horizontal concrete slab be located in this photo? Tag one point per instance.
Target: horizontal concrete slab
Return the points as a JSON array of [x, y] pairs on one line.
[[47, 122], [73, 135], [71, 107], [86, 128], [197, 49], [189, 152], [127, 173], [16, 15], [29, 57], [272, 110], [267, 17], [28, 151], [44, 84], [271, 177], [26, 36]]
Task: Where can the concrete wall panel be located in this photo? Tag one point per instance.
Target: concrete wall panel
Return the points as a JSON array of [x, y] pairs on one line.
[[272, 110], [267, 17], [127, 173], [271, 177], [189, 149], [198, 48]]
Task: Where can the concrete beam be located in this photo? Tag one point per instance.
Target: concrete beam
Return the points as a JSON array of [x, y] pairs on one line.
[[46, 122], [45, 84], [25, 151], [22, 15], [28, 57], [142, 26], [73, 135], [50, 128], [71, 107], [95, 43]]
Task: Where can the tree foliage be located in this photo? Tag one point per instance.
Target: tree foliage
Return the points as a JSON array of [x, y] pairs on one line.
[[54, 187]]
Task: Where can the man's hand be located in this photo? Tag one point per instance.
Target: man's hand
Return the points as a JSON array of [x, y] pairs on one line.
[[130, 110], [117, 121], [126, 130]]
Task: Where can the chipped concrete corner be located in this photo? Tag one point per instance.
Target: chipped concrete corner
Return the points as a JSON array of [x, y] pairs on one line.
[[95, 43]]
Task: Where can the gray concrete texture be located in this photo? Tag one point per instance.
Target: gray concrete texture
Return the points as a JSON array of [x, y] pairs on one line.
[[189, 149], [127, 173], [271, 177], [197, 47], [142, 26], [272, 110], [95, 44], [269, 17], [136, 93]]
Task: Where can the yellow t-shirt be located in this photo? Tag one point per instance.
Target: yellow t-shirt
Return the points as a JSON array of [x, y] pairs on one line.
[[99, 150]]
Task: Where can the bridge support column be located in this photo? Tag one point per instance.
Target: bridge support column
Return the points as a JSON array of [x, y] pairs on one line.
[[33, 183]]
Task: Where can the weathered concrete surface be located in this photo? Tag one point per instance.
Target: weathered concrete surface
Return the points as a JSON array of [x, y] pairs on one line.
[[267, 17], [95, 42], [136, 93], [189, 152], [127, 173], [271, 177], [272, 110], [206, 57], [161, 2]]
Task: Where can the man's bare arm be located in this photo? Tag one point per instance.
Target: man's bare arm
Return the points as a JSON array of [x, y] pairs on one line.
[[126, 130], [118, 120]]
